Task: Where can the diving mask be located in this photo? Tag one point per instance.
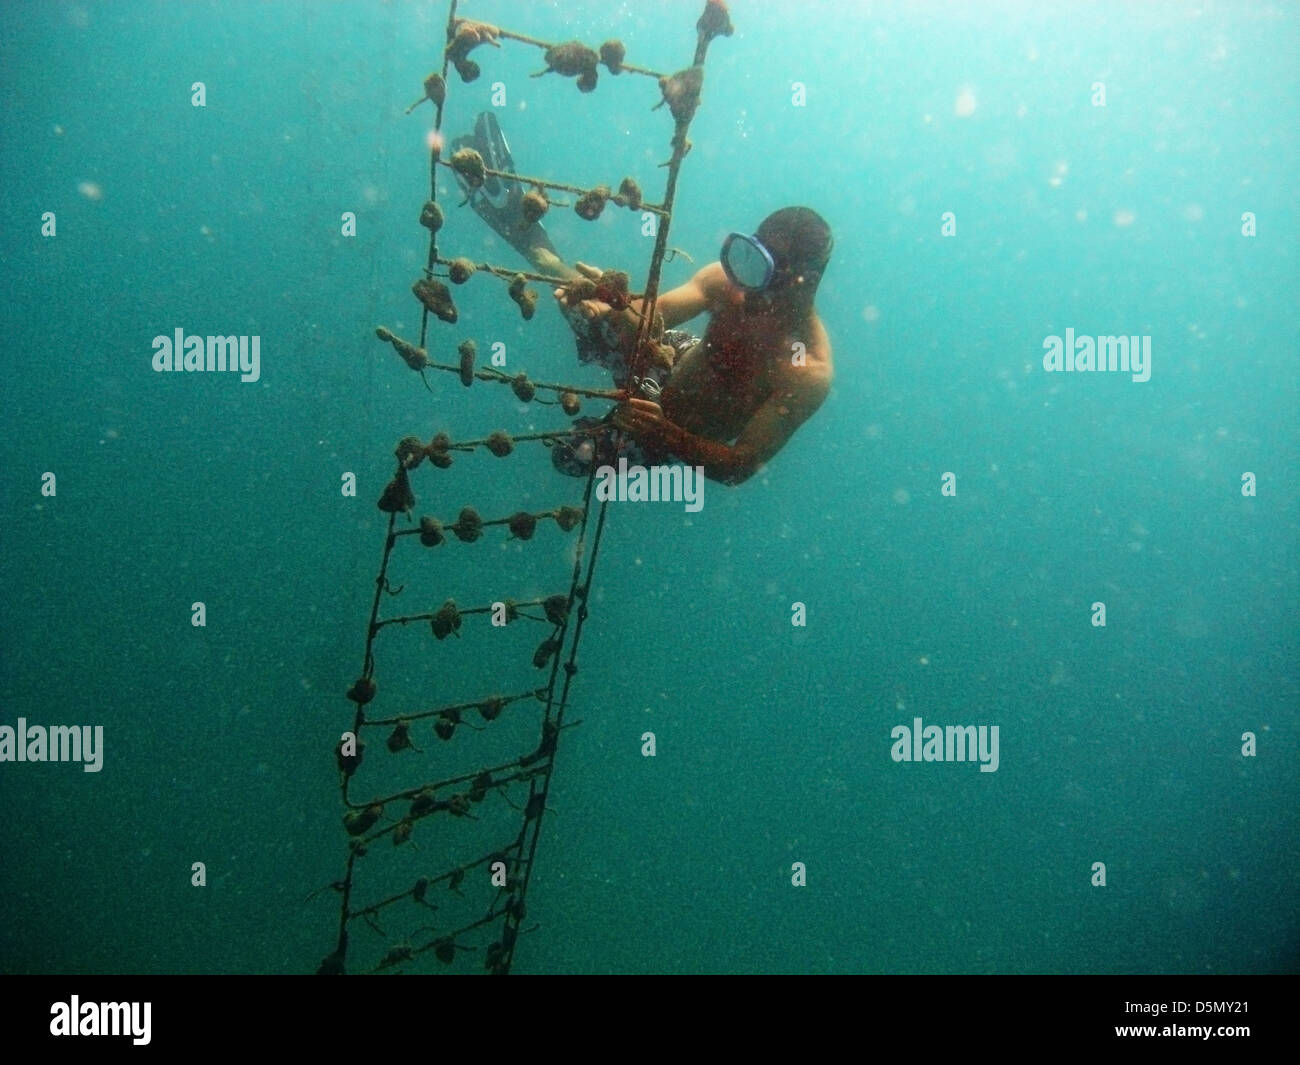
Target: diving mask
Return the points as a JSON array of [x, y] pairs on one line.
[[747, 262]]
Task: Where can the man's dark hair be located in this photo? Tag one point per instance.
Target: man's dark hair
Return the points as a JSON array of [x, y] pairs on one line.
[[798, 238]]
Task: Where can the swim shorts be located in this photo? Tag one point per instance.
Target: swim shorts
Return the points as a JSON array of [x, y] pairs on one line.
[[576, 455]]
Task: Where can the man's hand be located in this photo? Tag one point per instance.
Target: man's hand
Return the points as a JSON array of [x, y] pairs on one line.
[[587, 308], [644, 420], [604, 330]]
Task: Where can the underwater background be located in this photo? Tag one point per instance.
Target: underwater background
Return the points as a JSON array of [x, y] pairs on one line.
[[1120, 745]]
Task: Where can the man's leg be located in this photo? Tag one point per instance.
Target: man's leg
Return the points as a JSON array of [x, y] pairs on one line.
[[499, 202]]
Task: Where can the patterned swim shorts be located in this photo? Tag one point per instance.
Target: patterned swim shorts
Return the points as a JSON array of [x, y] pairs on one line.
[[576, 455]]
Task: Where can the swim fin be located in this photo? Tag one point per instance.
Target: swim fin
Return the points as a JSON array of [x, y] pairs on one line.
[[499, 202]]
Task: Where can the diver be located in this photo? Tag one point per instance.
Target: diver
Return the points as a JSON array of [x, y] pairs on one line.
[[731, 399]]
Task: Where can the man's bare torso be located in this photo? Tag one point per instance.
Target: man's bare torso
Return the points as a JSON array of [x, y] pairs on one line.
[[718, 385]]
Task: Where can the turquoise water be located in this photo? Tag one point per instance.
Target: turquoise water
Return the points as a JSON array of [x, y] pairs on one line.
[[1119, 744]]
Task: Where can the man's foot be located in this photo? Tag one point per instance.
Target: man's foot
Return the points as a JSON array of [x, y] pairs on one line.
[[499, 202]]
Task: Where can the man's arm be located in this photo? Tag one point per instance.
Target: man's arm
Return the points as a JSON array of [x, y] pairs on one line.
[[677, 305], [763, 436], [698, 295]]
